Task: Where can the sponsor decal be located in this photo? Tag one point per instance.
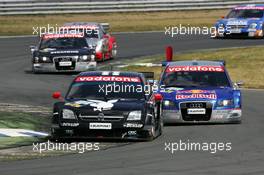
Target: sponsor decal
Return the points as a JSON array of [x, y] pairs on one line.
[[98, 105], [196, 91], [132, 133], [195, 69], [75, 105], [170, 89], [196, 111], [133, 125], [70, 124], [65, 51], [92, 27], [50, 36], [237, 22], [197, 96], [108, 78], [100, 126]]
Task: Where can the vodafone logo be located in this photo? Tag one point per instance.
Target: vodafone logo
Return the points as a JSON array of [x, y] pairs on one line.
[[195, 69], [108, 78], [92, 27], [249, 8], [49, 36]]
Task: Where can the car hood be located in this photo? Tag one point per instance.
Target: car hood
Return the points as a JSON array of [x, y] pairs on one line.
[[92, 41], [90, 106]]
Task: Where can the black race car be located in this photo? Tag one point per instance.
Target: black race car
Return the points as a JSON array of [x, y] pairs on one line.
[[62, 53], [108, 105]]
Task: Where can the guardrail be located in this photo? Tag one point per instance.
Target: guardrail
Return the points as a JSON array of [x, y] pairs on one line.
[[24, 7]]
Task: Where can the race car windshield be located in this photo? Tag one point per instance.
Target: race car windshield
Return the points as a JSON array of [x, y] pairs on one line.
[[245, 14], [61, 43], [106, 90], [196, 79], [88, 33]]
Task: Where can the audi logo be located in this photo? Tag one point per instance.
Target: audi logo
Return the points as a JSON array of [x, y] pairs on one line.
[[196, 105]]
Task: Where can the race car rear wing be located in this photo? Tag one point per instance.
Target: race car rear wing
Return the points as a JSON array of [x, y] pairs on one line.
[[148, 75], [221, 61], [165, 63]]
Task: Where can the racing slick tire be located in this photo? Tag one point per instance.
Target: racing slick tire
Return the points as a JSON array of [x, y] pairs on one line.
[[33, 70], [156, 129], [113, 52]]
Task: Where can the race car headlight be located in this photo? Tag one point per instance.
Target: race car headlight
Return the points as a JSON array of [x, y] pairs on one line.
[[68, 114], [134, 115], [222, 103], [253, 25], [221, 25], [84, 58], [92, 57], [168, 103], [36, 59], [43, 59]]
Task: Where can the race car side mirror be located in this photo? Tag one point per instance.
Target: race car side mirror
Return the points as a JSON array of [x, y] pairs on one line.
[[56, 95], [239, 83], [158, 97], [106, 36], [32, 48], [152, 82]]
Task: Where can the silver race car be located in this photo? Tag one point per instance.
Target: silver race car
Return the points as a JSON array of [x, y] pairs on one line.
[[98, 38]]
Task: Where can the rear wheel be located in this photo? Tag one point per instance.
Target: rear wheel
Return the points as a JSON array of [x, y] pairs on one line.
[[114, 52]]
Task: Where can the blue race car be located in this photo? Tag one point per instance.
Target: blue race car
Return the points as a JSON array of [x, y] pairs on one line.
[[199, 91], [242, 21]]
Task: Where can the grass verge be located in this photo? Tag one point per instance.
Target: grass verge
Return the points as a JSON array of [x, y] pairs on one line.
[[18, 120], [120, 22], [243, 64]]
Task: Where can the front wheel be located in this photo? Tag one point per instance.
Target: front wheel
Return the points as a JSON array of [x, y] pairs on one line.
[[33, 70]]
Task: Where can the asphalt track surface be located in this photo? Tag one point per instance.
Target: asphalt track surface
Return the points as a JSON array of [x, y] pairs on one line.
[[245, 158]]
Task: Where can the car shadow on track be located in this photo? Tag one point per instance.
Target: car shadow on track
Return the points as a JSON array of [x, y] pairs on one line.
[[51, 73], [197, 124], [97, 140]]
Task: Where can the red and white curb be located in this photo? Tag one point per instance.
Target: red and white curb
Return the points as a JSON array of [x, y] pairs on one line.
[[21, 133]]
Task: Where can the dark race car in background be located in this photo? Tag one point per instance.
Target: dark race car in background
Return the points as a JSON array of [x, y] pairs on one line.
[[97, 36], [62, 53], [242, 21], [90, 111], [199, 92]]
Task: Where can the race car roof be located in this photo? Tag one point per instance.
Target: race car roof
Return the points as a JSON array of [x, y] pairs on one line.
[[111, 73], [250, 7], [196, 63]]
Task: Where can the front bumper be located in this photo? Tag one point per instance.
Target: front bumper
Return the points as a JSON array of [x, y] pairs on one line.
[[51, 67], [82, 130], [249, 33], [217, 116]]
